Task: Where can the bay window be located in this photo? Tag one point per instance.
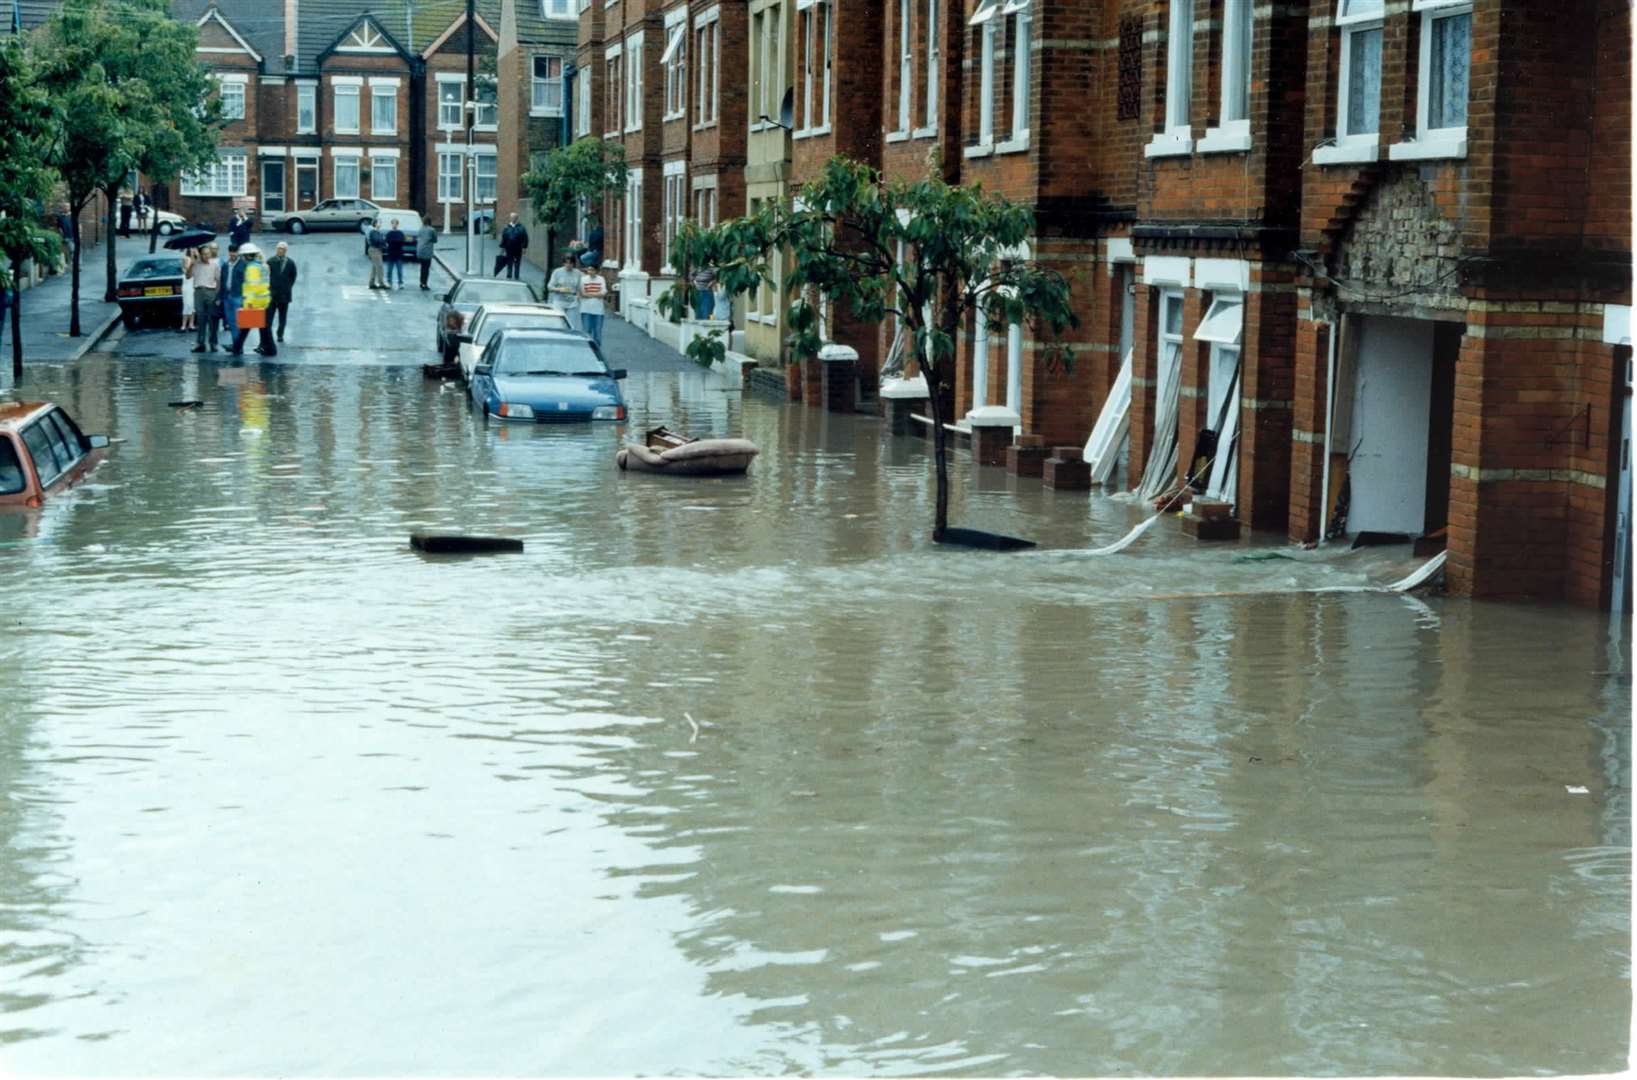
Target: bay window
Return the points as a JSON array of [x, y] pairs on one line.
[[225, 177]]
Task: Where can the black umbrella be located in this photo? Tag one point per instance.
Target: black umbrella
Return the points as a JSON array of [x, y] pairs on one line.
[[186, 240]]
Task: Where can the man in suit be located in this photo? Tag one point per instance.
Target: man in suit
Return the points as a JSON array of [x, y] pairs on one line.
[[281, 280], [514, 240]]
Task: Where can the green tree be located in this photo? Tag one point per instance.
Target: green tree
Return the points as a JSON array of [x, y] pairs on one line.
[[924, 251], [588, 168], [26, 181]]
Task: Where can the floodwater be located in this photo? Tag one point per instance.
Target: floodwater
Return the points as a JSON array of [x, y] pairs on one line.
[[743, 776]]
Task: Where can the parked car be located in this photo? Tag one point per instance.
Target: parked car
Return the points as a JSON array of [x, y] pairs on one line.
[[471, 293], [42, 452], [329, 214], [151, 290], [409, 223], [490, 319], [545, 377], [170, 224]]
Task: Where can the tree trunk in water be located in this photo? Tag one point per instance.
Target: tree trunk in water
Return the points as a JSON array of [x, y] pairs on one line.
[[74, 282], [16, 330], [111, 291]]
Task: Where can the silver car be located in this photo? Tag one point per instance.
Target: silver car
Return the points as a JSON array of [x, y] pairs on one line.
[[329, 214]]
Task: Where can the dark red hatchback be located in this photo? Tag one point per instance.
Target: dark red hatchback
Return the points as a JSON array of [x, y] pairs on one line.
[[42, 451]]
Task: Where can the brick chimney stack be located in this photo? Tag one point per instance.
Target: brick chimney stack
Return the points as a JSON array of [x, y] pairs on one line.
[[290, 7]]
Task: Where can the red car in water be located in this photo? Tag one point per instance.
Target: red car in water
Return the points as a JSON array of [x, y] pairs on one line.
[[42, 452]]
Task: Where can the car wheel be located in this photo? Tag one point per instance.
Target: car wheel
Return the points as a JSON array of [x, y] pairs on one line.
[[298, 226], [165, 228], [130, 319]]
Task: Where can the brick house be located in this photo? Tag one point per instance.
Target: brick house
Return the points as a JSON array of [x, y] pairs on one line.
[[535, 59], [770, 56], [450, 166]]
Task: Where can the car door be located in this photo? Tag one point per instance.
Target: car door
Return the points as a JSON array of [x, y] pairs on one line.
[[46, 467], [469, 350], [482, 383]]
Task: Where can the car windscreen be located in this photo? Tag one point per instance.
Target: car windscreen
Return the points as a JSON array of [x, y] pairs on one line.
[[495, 292], [11, 469], [496, 323], [154, 268], [549, 356]]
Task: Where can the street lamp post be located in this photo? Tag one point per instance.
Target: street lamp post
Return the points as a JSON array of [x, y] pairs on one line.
[[471, 178]]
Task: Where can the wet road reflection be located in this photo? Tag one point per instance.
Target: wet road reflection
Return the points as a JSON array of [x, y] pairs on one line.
[[287, 798]]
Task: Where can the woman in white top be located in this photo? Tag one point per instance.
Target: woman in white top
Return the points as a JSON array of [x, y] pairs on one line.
[[564, 289], [593, 291], [189, 257]]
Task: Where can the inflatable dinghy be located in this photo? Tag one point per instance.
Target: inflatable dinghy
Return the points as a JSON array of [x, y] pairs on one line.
[[667, 452]]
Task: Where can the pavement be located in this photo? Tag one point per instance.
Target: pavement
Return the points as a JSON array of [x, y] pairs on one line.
[[46, 311]]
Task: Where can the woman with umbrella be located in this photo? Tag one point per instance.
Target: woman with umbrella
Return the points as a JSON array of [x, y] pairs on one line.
[[190, 259]]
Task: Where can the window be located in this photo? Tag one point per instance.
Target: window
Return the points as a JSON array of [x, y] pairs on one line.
[[906, 58], [346, 177], [383, 110], [306, 109], [232, 100], [582, 121], [766, 68], [1179, 68], [983, 20], [557, 9], [1358, 88], [1129, 105], [816, 63], [614, 92], [706, 39], [451, 97], [1236, 35], [633, 220], [633, 76], [449, 178], [675, 62], [484, 190], [226, 177], [932, 54], [39, 441], [1444, 82], [1017, 11], [704, 206], [675, 210], [547, 99], [487, 94], [11, 469], [383, 179], [346, 109]]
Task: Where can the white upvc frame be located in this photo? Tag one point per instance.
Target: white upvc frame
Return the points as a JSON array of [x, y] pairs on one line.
[[351, 92], [1448, 141], [237, 83], [1232, 132], [338, 158], [1356, 17], [1021, 17], [491, 108], [451, 113], [984, 19], [613, 89], [540, 90], [380, 91], [817, 44], [226, 177], [1178, 137], [306, 108], [633, 82], [451, 181], [380, 165], [482, 192], [674, 210], [933, 73], [906, 65], [707, 38], [582, 101], [633, 221], [1168, 370], [675, 62]]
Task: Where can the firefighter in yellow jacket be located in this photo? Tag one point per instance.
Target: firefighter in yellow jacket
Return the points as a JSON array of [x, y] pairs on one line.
[[248, 285]]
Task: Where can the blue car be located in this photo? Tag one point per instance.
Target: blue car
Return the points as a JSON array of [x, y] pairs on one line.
[[544, 376]]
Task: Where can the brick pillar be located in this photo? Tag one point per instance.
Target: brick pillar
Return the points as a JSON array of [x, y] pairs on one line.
[[1308, 418], [1144, 368], [840, 377], [1268, 378], [992, 433]]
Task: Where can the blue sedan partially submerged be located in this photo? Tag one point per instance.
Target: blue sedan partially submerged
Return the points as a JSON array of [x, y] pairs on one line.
[[546, 377]]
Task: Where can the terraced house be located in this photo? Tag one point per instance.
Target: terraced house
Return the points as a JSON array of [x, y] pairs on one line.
[[347, 99]]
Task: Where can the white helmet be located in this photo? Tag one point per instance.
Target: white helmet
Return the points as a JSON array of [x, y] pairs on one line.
[[246, 250]]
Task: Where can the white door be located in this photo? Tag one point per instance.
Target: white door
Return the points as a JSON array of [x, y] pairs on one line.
[[1392, 408]]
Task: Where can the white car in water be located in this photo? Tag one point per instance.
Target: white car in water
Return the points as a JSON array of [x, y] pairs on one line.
[[492, 318]]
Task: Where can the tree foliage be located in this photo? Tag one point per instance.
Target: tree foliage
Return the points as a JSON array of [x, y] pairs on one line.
[[588, 168], [31, 126], [929, 253]]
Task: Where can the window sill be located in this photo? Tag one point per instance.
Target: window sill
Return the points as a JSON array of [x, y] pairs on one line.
[[490, 128], [897, 136], [612, 135], [925, 132], [1431, 148], [1013, 146], [346, 131], [1168, 145], [1221, 141], [980, 150], [704, 124], [669, 117], [547, 112], [1348, 153]]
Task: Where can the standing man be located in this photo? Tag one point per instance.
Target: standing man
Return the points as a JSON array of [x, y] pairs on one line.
[[514, 241], [250, 293], [593, 288], [239, 232], [395, 254], [425, 241], [564, 290], [281, 278], [225, 298], [207, 278], [376, 245], [125, 215]]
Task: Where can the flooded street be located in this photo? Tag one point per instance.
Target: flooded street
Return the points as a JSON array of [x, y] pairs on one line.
[[744, 776]]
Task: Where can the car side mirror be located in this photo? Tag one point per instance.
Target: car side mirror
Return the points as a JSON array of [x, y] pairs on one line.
[[484, 369], [96, 442], [617, 373]]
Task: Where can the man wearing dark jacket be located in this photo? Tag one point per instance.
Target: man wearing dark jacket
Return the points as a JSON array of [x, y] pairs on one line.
[[281, 278], [514, 241], [239, 231]]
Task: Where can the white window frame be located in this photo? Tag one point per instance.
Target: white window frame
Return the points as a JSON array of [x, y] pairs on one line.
[[984, 19], [704, 201], [1362, 146], [633, 82], [633, 221], [1178, 137], [818, 22], [675, 210], [613, 89], [1232, 132], [675, 62], [490, 108], [221, 179], [378, 94], [707, 32], [237, 86], [1179, 339], [557, 9], [351, 91], [336, 162], [458, 106], [1021, 17], [540, 90], [906, 66], [1431, 142], [306, 102], [933, 73], [378, 164], [451, 182], [582, 102], [479, 156]]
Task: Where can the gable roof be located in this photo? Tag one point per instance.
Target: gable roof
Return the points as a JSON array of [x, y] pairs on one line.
[[324, 26], [214, 15], [533, 28], [258, 24], [458, 27]]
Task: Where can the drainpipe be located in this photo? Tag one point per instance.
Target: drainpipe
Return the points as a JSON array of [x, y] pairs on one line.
[[1014, 370], [567, 135], [980, 362], [1329, 426]]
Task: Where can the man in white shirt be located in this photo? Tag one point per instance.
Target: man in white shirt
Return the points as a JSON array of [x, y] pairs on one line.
[[593, 290], [564, 290]]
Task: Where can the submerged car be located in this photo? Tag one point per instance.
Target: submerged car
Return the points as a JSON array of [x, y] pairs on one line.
[[329, 214], [151, 291], [490, 319], [471, 293], [42, 452], [546, 377]]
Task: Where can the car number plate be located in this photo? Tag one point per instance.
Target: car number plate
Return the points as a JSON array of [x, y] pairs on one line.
[[157, 290]]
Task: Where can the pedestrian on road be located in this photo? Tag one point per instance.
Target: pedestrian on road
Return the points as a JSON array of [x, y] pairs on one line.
[[229, 305], [593, 290], [564, 289], [239, 232], [65, 226], [395, 254], [125, 216], [190, 259], [250, 291], [207, 276], [281, 279], [425, 241], [377, 246], [514, 241], [143, 205]]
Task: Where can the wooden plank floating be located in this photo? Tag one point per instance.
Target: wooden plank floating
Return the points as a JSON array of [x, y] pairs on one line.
[[451, 544]]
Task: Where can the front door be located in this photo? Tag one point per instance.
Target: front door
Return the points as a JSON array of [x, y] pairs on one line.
[[272, 187], [306, 185]]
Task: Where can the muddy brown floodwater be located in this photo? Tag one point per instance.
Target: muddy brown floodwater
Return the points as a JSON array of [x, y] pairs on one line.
[[283, 797]]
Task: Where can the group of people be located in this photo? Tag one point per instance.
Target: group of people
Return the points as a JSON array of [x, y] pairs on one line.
[[387, 249], [139, 206], [216, 289], [581, 292]]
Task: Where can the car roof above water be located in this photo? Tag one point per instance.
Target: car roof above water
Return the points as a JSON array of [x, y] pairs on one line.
[[15, 414]]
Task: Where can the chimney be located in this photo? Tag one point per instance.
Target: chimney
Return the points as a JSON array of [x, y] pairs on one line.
[[290, 51]]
